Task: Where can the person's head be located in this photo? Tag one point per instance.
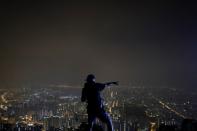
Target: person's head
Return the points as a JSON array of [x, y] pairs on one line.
[[90, 78]]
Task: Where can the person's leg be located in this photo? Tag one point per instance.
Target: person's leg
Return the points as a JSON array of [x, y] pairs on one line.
[[104, 117], [91, 120]]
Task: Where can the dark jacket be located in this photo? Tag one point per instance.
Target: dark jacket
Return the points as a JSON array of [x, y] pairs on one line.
[[91, 95]]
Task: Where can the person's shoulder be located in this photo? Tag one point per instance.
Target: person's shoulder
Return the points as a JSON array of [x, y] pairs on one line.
[[85, 85], [88, 84]]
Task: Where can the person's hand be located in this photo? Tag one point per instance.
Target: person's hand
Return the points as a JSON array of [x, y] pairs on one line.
[[115, 83]]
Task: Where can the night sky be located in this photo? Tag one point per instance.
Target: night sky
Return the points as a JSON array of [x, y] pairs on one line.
[[60, 42]]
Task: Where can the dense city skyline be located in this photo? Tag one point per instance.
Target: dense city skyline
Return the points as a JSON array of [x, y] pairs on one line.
[[62, 42]]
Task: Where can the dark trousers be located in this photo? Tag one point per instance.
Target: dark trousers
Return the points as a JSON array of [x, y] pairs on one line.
[[101, 115]]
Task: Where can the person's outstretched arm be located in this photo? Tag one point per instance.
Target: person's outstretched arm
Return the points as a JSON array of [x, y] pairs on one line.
[[111, 83], [101, 86]]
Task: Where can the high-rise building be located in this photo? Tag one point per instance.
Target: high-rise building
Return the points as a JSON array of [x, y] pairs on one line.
[[55, 122]]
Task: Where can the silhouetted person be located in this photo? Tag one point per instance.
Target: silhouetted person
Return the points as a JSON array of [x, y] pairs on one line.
[[95, 108]]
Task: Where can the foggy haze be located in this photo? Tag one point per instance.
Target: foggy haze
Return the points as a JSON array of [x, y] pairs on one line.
[[61, 42]]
